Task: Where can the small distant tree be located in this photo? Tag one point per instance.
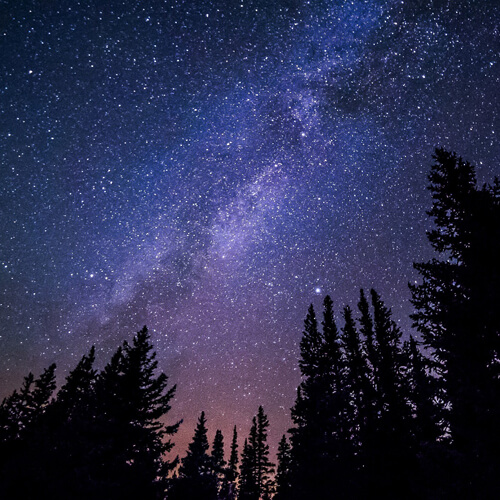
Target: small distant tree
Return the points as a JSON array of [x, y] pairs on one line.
[[283, 473], [263, 466], [217, 455], [229, 485], [256, 467], [248, 483], [197, 480]]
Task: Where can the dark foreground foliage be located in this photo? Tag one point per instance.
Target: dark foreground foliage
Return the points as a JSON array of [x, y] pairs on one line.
[[99, 438]]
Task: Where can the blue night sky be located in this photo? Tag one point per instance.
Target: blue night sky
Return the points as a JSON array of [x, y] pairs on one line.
[[209, 168]]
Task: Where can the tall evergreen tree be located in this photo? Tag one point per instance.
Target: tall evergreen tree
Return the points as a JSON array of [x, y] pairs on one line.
[[421, 386], [229, 485], [457, 313], [140, 400], [332, 375], [256, 467], [388, 337], [217, 455], [248, 483], [263, 466], [311, 346], [233, 458], [393, 433], [320, 439], [308, 438], [357, 378], [68, 444]]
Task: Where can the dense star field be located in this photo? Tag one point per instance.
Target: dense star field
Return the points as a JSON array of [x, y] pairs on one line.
[[209, 168]]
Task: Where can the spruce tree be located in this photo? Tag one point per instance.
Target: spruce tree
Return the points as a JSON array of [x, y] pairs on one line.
[[457, 313], [320, 440], [233, 458], [256, 467], [357, 377], [248, 483], [197, 480], [130, 401], [21, 410], [229, 485], [367, 330], [283, 472], [217, 455], [388, 337], [393, 433], [77, 393], [311, 346], [263, 466], [425, 415], [69, 442], [22, 437], [307, 436]]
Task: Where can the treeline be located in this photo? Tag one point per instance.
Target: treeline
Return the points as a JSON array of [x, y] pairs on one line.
[[100, 437], [374, 416]]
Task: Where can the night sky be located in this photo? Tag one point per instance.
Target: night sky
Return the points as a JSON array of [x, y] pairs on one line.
[[209, 168]]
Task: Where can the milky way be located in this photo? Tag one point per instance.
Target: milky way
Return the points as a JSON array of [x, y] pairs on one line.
[[208, 169]]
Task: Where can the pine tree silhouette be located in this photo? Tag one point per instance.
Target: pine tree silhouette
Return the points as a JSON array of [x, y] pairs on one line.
[[320, 439], [457, 313], [22, 439], [248, 483], [197, 480], [263, 466], [229, 488], [283, 472], [217, 455]]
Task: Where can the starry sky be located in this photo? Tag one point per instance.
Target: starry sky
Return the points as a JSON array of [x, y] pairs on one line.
[[209, 168]]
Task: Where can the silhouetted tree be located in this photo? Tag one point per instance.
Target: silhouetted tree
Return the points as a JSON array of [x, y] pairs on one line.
[[101, 438], [424, 425], [263, 466], [307, 437], [283, 472], [357, 378], [77, 394], [130, 402], [217, 455], [458, 315], [421, 386], [248, 482], [229, 486], [367, 330], [197, 480], [21, 437], [394, 456], [69, 442], [21, 410], [320, 438]]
